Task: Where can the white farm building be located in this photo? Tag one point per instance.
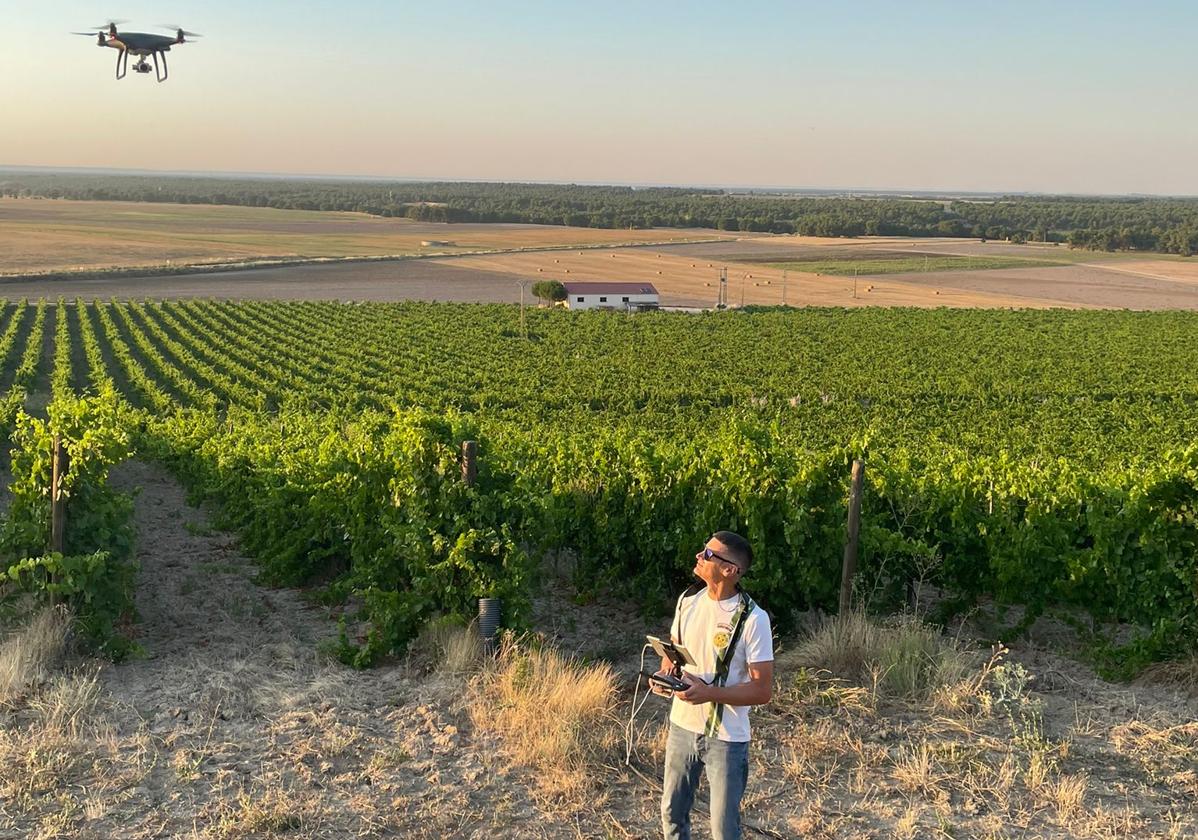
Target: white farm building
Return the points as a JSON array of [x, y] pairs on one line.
[[604, 295]]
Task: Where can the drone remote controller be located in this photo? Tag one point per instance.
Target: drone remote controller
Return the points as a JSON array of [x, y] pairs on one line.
[[667, 680]]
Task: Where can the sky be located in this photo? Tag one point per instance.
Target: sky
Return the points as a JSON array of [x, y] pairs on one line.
[[1075, 97]]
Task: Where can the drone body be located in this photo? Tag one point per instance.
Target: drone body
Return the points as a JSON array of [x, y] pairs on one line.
[[140, 44]]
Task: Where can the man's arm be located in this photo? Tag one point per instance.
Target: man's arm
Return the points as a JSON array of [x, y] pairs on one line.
[[756, 692]]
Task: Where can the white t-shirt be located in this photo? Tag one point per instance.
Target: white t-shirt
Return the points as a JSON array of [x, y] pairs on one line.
[[703, 626]]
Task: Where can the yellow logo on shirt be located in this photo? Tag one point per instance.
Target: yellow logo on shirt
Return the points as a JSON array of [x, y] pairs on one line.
[[720, 639]]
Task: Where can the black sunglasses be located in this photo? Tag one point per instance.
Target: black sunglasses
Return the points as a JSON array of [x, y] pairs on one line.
[[708, 554]]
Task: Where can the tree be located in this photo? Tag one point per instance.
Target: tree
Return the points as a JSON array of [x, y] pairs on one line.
[[549, 290]]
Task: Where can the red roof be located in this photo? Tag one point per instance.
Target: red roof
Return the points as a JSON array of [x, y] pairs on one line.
[[609, 288]]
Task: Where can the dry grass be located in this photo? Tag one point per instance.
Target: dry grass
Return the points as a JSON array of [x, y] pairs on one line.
[[1168, 754], [28, 656], [902, 659], [447, 646], [266, 812], [1182, 674], [959, 745], [554, 714], [58, 741]]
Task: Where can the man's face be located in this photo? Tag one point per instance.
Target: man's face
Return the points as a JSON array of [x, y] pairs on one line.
[[713, 563]]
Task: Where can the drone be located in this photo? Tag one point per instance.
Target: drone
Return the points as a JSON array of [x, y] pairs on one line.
[[141, 44]]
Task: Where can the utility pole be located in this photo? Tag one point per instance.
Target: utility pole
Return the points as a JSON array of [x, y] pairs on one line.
[[743, 278], [854, 284], [784, 273], [722, 299]]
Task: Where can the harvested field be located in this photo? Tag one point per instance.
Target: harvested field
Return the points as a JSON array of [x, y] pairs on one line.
[[683, 281], [42, 235], [688, 275], [1173, 270], [694, 281], [776, 248], [765, 248], [1074, 286], [46, 235], [874, 263], [373, 281]]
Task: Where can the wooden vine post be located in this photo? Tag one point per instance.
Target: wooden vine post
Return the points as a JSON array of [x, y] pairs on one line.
[[469, 462], [849, 568], [59, 464]]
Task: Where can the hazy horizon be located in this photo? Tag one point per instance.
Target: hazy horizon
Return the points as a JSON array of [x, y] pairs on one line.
[[1075, 99], [762, 188]]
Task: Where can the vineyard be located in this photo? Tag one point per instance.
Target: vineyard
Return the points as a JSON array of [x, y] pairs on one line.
[[1044, 460]]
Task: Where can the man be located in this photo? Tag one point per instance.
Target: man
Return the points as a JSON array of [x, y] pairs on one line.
[[729, 637]]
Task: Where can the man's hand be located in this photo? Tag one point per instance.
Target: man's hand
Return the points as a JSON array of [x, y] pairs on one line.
[[699, 691], [755, 692], [659, 689]]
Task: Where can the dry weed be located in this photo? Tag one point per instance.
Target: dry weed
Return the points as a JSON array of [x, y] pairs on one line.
[[28, 656], [815, 822], [812, 754], [810, 687], [553, 713], [904, 658], [1067, 795], [263, 812], [915, 771], [907, 826], [1169, 754], [1183, 674], [446, 646], [61, 756]]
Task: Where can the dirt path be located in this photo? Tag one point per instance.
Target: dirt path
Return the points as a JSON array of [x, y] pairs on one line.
[[233, 725]]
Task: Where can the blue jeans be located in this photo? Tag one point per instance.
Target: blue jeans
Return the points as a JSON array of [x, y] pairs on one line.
[[727, 764]]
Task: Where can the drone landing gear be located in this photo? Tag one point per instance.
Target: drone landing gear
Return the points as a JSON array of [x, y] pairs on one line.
[[122, 63], [160, 76]]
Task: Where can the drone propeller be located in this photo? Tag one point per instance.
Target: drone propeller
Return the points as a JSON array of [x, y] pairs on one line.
[[101, 40], [179, 30]]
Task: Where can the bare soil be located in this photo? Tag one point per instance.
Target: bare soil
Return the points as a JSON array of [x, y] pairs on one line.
[[43, 235], [233, 724], [1080, 286], [373, 281]]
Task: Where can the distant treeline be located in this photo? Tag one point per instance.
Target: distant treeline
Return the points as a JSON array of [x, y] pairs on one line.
[[1148, 224]]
